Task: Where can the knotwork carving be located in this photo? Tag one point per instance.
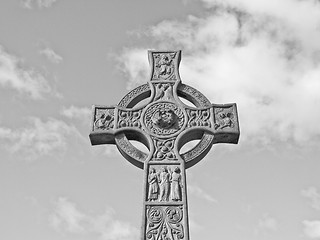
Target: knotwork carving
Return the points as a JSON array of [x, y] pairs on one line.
[[193, 93], [224, 118], [164, 149], [164, 66], [198, 118], [129, 118], [104, 119], [126, 100], [124, 145], [201, 147], [164, 223], [164, 118]]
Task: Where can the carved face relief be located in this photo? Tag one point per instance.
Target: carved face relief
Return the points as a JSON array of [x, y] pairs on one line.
[[164, 118]]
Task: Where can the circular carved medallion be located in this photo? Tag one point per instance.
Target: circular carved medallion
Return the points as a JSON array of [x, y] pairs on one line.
[[164, 118]]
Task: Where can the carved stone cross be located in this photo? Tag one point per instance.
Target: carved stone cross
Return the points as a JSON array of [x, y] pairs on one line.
[[164, 124]]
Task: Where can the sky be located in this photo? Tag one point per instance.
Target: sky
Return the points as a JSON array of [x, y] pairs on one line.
[[59, 57]]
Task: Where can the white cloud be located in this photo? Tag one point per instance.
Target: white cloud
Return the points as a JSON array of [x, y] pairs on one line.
[[80, 113], [51, 55], [14, 76], [134, 63], [39, 139], [263, 55], [30, 4], [312, 229], [313, 194], [66, 217], [200, 193]]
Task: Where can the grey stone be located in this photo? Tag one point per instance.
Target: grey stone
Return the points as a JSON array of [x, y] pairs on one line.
[[164, 124]]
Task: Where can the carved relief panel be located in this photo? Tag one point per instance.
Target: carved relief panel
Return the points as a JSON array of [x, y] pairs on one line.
[[103, 119], [129, 118], [164, 223], [164, 149], [225, 118], [164, 68], [164, 183]]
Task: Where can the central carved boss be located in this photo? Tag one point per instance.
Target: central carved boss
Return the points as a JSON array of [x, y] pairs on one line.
[[163, 119]]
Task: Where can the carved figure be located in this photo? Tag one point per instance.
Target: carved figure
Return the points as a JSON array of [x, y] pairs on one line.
[[164, 181], [153, 185], [104, 121], [224, 121], [176, 185], [164, 65]]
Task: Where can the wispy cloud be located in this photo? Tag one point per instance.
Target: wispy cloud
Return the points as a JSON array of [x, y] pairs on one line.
[[314, 196], [14, 76], [79, 113], [311, 229], [200, 193], [30, 4], [264, 55], [51, 55], [67, 218], [39, 139]]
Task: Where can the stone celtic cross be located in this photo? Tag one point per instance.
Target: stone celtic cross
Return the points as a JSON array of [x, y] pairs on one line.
[[164, 124]]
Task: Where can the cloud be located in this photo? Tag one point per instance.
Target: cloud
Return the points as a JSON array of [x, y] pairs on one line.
[[66, 217], [39, 139], [134, 63], [13, 75], [51, 55], [263, 55], [313, 194], [79, 113], [312, 229], [30, 4], [200, 193]]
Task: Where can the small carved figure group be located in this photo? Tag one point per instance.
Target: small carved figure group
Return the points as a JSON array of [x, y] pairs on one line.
[[165, 185], [224, 120], [164, 65], [104, 120]]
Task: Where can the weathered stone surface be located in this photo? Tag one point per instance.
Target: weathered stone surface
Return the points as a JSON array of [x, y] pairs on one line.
[[164, 124]]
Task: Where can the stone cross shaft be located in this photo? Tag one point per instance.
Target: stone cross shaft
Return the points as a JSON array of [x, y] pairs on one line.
[[163, 123]]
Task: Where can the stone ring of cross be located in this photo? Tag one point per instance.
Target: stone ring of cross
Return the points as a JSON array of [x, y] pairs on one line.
[[163, 115]]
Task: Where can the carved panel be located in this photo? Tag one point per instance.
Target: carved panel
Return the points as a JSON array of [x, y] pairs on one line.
[[164, 149], [163, 67], [164, 118], [164, 183], [225, 118], [198, 118], [164, 91], [164, 223], [104, 119], [129, 118]]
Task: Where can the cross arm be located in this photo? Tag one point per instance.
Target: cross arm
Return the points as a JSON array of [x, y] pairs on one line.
[[219, 119], [108, 121]]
